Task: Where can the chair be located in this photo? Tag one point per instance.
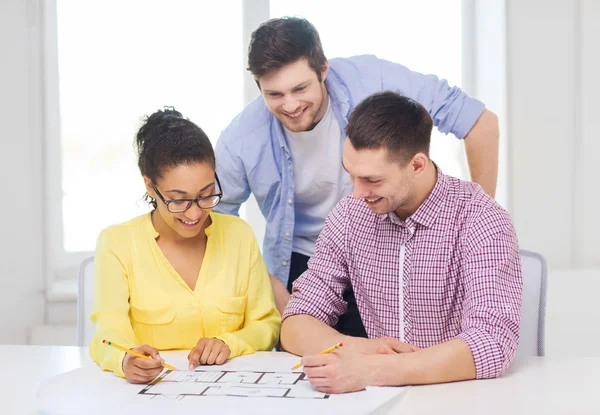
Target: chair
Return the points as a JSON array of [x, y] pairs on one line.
[[533, 309], [85, 302]]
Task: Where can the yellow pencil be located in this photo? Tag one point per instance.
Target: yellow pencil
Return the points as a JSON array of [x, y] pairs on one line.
[[331, 349], [135, 353]]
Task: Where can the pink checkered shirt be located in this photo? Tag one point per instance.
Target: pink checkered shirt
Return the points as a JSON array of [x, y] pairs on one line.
[[460, 278]]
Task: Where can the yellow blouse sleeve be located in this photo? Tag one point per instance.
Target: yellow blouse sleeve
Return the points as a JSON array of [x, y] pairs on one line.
[[262, 321], [111, 306]]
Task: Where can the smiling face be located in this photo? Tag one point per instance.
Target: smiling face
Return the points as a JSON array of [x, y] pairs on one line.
[[186, 181], [385, 184], [294, 94]]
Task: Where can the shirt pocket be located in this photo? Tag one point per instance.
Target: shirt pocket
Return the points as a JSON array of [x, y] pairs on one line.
[[231, 313], [152, 325]]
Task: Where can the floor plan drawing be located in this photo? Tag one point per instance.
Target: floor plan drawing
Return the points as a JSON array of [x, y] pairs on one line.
[[180, 384], [262, 383]]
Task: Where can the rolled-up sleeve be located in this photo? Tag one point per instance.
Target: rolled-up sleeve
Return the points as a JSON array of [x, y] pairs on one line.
[[452, 110], [319, 291], [492, 304]]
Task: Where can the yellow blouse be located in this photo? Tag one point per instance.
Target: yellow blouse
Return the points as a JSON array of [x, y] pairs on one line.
[[139, 298]]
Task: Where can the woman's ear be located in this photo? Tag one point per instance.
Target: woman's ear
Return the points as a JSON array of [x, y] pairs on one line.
[[149, 189]]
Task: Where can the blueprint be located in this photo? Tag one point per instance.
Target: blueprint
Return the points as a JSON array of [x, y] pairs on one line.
[[244, 384], [259, 384]]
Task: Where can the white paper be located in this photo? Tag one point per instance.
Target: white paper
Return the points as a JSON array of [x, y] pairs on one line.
[[262, 383], [236, 383]]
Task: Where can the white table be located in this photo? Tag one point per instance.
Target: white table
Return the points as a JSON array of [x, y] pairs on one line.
[[24, 367], [533, 385]]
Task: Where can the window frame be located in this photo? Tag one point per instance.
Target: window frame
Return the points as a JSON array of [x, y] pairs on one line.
[[63, 266]]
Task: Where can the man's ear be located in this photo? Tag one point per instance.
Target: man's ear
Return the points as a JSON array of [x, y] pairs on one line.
[[325, 71], [419, 163]]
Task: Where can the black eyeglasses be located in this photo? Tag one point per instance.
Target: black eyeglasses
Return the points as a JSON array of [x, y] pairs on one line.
[[181, 205]]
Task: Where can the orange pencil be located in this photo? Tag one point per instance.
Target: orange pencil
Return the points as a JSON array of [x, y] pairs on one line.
[[135, 353], [331, 349]]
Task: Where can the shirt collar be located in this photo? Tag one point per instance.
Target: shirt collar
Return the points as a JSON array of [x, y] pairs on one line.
[[154, 233], [317, 131], [429, 210], [338, 95], [150, 227]]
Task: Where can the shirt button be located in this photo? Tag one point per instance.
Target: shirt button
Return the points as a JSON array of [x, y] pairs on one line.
[[289, 201], [290, 168], [284, 263], [287, 234]]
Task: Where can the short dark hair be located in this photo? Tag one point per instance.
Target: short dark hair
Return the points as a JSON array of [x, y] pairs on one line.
[[284, 40], [390, 120], [166, 139]]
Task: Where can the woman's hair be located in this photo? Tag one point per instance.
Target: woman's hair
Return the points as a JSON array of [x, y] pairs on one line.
[[165, 140]]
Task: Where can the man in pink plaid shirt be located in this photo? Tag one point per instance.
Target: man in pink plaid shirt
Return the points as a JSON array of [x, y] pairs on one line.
[[433, 261]]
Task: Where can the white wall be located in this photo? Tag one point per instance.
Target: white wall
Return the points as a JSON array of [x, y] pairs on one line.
[[255, 12], [484, 71], [554, 150], [587, 208], [21, 250]]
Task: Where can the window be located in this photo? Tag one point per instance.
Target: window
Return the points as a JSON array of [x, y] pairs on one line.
[[425, 36], [118, 61], [121, 60]]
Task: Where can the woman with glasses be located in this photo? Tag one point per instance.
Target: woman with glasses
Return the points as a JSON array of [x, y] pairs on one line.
[[181, 276]]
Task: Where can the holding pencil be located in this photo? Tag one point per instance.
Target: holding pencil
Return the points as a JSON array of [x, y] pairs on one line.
[[131, 352], [331, 349]]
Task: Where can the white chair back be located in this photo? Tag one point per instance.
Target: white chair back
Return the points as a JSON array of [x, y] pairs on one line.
[[533, 310], [85, 303]]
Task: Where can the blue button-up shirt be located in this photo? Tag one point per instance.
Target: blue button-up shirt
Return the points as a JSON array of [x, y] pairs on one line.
[[253, 156]]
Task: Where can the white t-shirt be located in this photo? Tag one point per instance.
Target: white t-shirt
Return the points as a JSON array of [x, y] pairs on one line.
[[320, 180]]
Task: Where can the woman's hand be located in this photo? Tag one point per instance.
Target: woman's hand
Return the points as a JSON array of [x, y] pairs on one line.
[[208, 352], [138, 370]]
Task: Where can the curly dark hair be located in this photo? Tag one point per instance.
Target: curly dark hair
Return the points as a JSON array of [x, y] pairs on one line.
[[165, 140]]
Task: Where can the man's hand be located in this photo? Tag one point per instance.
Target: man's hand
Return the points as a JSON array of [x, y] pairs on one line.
[[282, 295], [208, 352], [339, 372], [138, 370], [382, 345]]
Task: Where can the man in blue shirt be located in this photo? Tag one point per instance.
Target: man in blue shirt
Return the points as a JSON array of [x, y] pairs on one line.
[[286, 146]]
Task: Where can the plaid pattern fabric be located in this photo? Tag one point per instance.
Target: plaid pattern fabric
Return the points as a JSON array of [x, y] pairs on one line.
[[459, 262]]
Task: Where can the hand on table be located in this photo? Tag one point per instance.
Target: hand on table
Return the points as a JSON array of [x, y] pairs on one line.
[[351, 368], [138, 370], [208, 352], [338, 372]]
